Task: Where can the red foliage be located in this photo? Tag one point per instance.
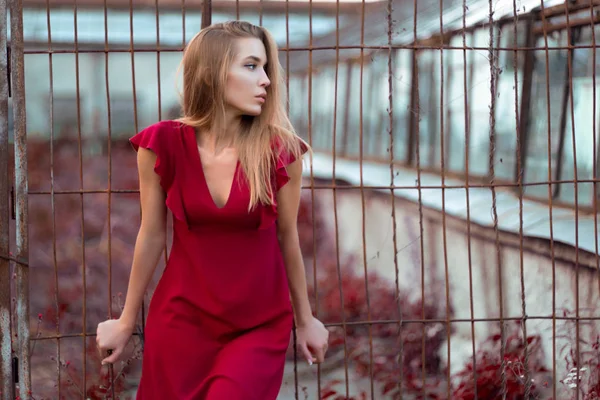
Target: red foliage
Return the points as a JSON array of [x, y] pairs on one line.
[[58, 233], [491, 369], [329, 393], [361, 344], [99, 382], [380, 344], [62, 229], [589, 369]]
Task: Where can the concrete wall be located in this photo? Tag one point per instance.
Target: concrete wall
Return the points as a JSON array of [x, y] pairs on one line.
[[487, 275]]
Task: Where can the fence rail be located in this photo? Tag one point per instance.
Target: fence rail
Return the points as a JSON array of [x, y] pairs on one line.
[[435, 247]]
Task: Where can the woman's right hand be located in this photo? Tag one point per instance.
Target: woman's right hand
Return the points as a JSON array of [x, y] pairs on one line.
[[112, 335]]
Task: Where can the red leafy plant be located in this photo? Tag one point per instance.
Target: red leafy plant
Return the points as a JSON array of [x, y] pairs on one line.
[[588, 375], [404, 360], [583, 369], [486, 380], [328, 392], [396, 355], [59, 230], [102, 382], [58, 233]]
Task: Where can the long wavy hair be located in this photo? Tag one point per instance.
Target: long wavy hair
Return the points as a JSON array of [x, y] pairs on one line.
[[206, 61]]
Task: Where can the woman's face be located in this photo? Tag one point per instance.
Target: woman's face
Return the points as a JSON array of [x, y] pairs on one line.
[[247, 81]]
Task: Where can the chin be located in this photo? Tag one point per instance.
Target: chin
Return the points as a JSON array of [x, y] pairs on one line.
[[253, 111]]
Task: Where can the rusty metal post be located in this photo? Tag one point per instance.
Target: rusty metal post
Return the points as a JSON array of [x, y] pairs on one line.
[[206, 13], [525, 103], [21, 192], [413, 120], [6, 376]]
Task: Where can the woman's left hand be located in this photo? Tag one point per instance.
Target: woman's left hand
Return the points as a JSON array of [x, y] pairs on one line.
[[312, 340]]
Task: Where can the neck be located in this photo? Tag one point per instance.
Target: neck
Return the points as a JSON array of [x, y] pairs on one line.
[[218, 138]]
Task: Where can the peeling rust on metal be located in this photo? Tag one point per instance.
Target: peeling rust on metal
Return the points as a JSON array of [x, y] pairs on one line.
[[6, 373], [22, 219]]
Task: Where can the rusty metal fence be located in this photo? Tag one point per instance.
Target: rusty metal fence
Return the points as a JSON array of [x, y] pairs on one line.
[[449, 213], [14, 310]]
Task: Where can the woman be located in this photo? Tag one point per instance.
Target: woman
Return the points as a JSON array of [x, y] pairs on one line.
[[229, 170]]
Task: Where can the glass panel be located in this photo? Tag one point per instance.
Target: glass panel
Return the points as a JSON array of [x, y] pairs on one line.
[[479, 105], [581, 123], [342, 95], [505, 154], [536, 168], [353, 135], [328, 105], [458, 72], [428, 115], [402, 89], [65, 116], [377, 118], [367, 105]]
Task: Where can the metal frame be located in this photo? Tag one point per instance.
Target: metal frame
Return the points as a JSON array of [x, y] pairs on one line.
[[14, 318]]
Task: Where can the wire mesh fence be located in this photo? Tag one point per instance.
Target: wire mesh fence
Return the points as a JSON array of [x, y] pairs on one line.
[[448, 220]]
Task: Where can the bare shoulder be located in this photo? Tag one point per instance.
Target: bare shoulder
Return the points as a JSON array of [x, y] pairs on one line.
[[146, 161], [294, 169]]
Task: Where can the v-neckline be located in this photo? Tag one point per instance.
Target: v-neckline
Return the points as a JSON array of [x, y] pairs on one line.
[[205, 182]]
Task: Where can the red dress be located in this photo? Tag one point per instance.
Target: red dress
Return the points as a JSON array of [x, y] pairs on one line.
[[220, 319]]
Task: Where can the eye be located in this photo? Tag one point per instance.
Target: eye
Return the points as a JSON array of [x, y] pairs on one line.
[[251, 66]]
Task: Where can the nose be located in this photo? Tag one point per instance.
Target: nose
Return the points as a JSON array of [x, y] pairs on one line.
[[264, 80]]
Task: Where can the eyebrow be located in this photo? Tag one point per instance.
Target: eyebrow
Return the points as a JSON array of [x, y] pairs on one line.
[[253, 58]]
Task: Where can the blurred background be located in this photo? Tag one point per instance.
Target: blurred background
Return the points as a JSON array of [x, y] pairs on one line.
[[449, 212]]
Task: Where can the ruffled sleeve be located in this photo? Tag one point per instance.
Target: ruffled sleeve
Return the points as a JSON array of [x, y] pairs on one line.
[[284, 159], [160, 139], [154, 138]]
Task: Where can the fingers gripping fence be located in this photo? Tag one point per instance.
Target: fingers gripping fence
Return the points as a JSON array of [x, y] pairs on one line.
[[448, 220]]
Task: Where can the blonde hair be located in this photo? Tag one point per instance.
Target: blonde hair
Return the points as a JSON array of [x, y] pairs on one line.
[[206, 62]]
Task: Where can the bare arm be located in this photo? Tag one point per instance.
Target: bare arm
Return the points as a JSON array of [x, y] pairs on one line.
[[288, 202], [113, 335], [312, 337], [151, 236]]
